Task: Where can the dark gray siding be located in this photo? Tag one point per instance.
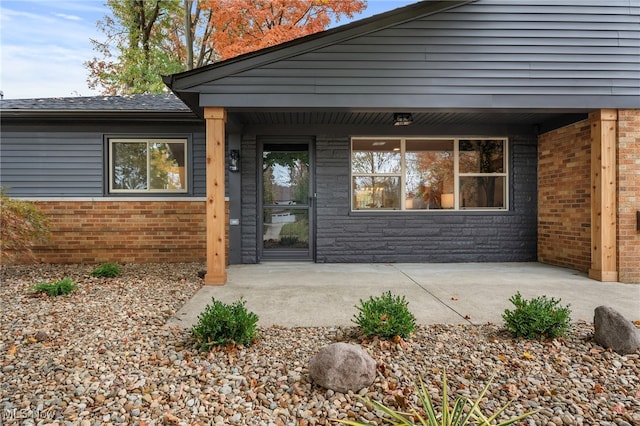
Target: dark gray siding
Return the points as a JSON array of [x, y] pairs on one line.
[[249, 220], [345, 236], [52, 164], [67, 159], [583, 54]]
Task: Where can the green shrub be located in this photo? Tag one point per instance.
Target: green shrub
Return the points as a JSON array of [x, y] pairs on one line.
[[386, 316], [59, 288], [221, 324], [465, 411], [106, 270], [537, 318]]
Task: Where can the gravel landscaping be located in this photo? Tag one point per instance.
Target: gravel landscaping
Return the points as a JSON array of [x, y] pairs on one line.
[[104, 355]]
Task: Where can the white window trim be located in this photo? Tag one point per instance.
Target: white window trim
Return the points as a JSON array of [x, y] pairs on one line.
[[148, 141], [456, 170]]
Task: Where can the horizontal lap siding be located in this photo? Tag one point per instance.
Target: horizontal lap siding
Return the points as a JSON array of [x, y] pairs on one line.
[[46, 164], [483, 49], [51, 162]]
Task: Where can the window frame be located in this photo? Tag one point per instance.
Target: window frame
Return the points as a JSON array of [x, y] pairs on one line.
[[456, 174], [173, 139]]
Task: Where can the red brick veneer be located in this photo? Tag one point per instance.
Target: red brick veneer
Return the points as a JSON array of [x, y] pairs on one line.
[[628, 160], [564, 196], [124, 231]]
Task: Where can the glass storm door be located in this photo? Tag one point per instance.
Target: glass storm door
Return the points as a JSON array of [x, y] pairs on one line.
[[287, 215]]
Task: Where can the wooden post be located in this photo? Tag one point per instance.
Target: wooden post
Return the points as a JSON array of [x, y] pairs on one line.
[[603, 195], [216, 237]]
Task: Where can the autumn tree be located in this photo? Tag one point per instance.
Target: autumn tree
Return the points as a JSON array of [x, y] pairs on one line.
[[150, 38], [243, 26]]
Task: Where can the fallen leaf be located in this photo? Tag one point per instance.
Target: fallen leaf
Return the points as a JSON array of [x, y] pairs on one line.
[[12, 350], [502, 358], [527, 355], [637, 322], [169, 417], [32, 339], [384, 317], [598, 388], [454, 298], [467, 317]]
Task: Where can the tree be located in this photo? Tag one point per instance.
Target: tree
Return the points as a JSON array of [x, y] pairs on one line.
[[246, 25], [142, 32], [150, 38]]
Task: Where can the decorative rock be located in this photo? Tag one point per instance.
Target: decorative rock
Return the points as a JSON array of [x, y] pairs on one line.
[[342, 367], [614, 331]]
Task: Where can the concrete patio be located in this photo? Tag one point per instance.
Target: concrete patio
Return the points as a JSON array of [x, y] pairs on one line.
[[308, 294]]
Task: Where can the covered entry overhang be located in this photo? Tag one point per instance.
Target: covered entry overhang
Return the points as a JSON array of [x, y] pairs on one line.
[[462, 64]]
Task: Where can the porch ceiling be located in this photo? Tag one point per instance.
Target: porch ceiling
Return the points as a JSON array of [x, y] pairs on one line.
[[538, 121]]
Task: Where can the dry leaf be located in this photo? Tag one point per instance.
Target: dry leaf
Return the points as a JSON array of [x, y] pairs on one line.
[[32, 339], [598, 388], [527, 355], [12, 350], [169, 417], [454, 298], [384, 317], [502, 358], [637, 322], [467, 317]]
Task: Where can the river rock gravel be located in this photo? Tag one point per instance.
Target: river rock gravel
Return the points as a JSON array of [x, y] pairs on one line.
[[104, 355]]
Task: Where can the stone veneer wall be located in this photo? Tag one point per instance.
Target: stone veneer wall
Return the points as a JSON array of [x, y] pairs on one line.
[[124, 231], [628, 196], [564, 196]]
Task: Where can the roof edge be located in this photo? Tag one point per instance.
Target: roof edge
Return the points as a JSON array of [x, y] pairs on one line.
[[188, 79]]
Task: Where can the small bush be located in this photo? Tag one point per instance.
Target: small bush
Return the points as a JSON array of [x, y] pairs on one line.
[[106, 270], [22, 226], [221, 324], [386, 316], [59, 288], [537, 318]]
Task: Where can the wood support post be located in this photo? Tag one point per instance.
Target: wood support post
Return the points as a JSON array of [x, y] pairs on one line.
[[603, 195], [216, 226]]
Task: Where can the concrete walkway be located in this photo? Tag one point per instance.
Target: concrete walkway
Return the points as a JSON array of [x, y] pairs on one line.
[[308, 294]]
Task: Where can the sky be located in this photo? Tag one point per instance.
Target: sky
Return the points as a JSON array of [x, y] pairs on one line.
[[45, 43]]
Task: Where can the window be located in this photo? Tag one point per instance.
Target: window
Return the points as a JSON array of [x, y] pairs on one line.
[[147, 165], [429, 174]]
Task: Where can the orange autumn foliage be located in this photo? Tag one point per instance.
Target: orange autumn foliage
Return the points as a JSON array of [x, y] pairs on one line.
[[243, 26]]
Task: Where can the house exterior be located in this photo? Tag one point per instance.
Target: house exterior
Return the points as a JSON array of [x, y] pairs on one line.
[[444, 131]]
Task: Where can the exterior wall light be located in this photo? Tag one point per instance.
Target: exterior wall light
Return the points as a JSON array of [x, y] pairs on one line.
[[234, 160], [402, 118]]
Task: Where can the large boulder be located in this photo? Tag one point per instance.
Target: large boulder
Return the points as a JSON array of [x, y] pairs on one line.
[[614, 331], [342, 367]]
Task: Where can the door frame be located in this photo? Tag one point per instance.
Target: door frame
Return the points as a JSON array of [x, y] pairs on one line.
[[286, 255]]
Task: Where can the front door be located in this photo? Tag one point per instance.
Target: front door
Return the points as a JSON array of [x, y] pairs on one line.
[[287, 201]]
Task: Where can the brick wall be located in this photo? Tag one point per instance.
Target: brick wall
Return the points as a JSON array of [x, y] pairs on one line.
[[124, 231], [564, 197], [628, 160]]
